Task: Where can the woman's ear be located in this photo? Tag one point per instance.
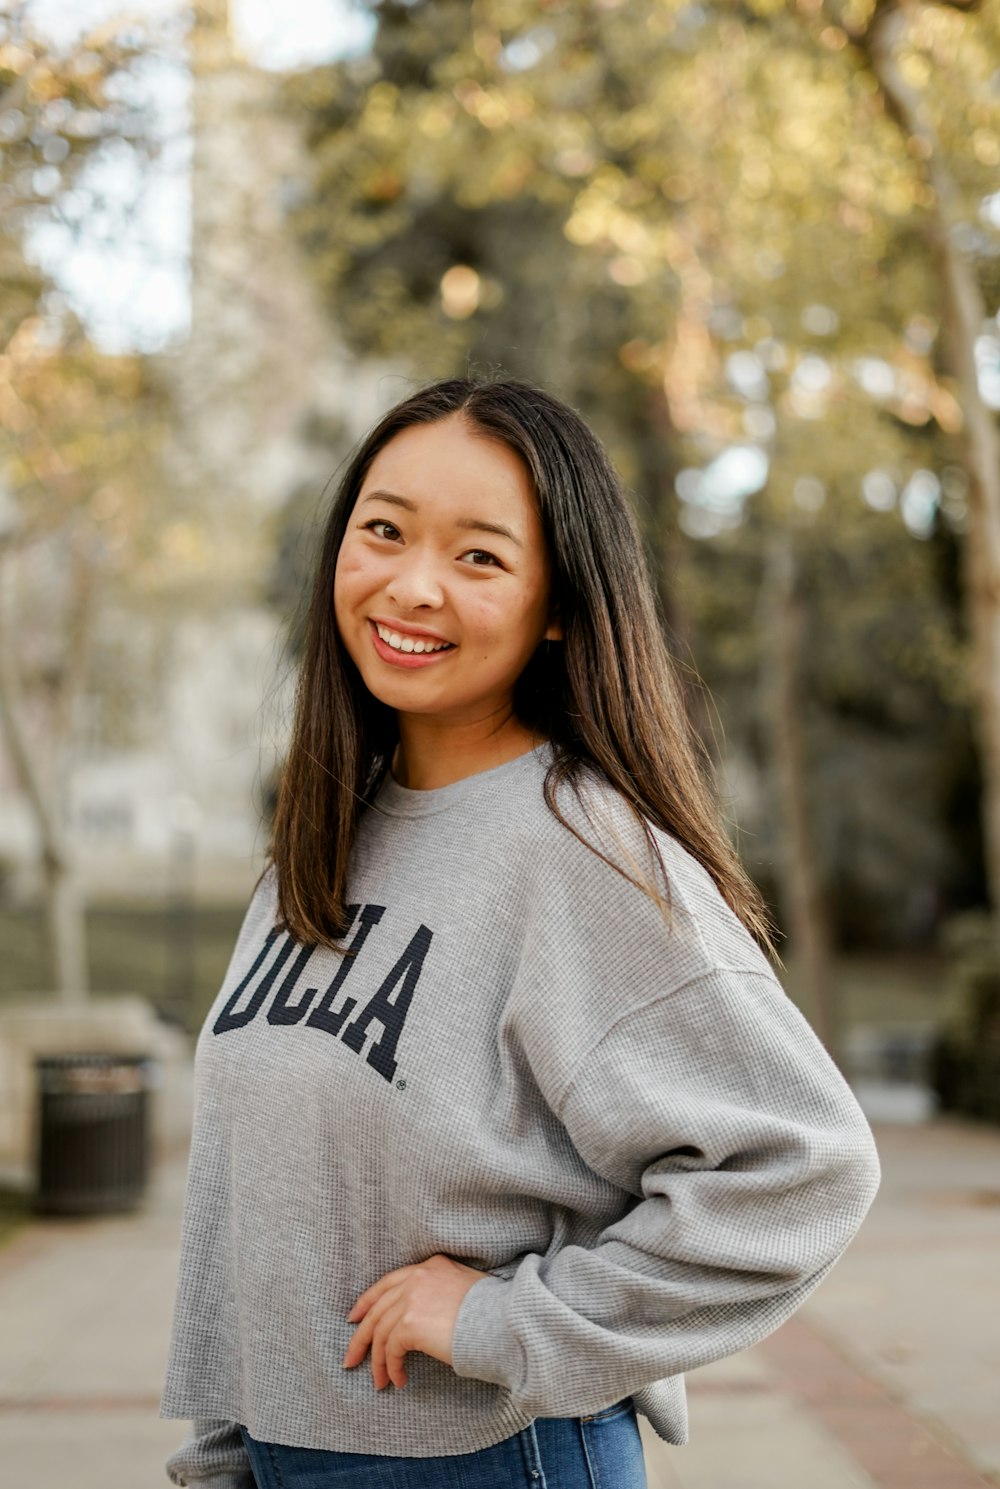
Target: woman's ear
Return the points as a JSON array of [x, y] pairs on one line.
[[554, 631]]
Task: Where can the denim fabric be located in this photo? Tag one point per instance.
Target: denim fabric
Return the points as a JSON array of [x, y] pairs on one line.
[[603, 1451]]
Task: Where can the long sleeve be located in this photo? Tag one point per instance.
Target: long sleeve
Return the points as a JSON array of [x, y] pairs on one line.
[[746, 1167], [602, 1101], [212, 1456]]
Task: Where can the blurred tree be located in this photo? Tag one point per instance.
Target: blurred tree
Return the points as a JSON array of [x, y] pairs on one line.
[[898, 49], [447, 166], [77, 430], [698, 224]]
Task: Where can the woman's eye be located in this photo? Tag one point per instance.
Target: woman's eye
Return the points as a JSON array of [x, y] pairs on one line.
[[377, 522], [478, 555]]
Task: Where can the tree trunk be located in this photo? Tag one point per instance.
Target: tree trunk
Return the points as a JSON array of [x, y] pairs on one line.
[[801, 893], [64, 914], [963, 313], [64, 910]]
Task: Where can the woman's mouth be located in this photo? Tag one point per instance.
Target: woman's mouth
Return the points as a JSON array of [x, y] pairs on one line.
[[406, 651]]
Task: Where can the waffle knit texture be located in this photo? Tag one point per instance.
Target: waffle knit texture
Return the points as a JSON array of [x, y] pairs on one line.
[[620, 1117]]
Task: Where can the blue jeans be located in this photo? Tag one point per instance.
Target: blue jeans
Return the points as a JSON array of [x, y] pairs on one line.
[[599, 1452]]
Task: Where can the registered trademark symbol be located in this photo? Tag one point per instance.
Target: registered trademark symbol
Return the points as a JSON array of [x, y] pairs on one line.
[[400, 1085]]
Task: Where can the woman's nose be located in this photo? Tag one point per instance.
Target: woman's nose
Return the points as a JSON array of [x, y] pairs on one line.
[[415, 582]]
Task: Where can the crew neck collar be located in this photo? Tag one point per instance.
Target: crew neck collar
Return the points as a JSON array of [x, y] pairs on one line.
[[403, 801]]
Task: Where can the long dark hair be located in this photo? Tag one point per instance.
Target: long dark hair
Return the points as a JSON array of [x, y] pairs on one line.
[[607, 695]]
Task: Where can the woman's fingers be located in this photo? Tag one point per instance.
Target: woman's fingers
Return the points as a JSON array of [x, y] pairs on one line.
[[371, 1294], [411, 1309], [375, 1333], [362, 1336], [395, 1364], [388, 1352]]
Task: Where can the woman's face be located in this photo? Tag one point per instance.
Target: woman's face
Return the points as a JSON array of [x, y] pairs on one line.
[[444, 545]]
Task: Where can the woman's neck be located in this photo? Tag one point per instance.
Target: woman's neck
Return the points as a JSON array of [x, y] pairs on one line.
[[430, 755]]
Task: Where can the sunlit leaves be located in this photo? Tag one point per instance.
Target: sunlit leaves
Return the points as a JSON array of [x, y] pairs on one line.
[[56, 110], [698, 223], [78, 430]]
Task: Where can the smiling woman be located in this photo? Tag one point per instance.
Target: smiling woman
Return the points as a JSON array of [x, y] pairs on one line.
[[411, 596], [552, 626], [501, 1103]]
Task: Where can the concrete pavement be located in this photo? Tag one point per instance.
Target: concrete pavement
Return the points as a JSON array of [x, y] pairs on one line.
[[85, 1308], [889, 1375]]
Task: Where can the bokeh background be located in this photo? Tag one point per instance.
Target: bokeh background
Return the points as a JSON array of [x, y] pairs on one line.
[[755, 242], [757, 245]]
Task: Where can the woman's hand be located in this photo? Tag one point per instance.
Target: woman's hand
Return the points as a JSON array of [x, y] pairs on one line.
[[410, 1308]]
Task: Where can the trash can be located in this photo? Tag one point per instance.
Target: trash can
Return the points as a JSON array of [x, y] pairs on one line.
[[93, 1133]]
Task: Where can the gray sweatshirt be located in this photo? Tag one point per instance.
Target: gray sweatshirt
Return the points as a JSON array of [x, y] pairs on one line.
[[620, 1117]]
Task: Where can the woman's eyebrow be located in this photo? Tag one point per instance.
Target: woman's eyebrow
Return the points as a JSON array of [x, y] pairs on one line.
[[473, 524], [390, 496], [476, 524]]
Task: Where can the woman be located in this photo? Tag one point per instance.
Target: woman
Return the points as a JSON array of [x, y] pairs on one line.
[[503, 1120]]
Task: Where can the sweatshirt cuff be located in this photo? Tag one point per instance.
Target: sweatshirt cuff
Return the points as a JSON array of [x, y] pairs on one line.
[[226, 1479], [212, 1456], [483, 1346]]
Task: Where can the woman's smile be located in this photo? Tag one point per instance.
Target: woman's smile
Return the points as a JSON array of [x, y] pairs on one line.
[[444, 570], [404, 649]]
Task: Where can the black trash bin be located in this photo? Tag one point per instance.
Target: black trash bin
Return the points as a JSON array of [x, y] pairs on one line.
[[93, 1133]]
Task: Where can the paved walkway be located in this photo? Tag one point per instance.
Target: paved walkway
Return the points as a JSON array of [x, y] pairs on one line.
[[888, 1378]]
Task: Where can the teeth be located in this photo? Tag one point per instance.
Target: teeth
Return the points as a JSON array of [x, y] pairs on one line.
[[407, 643]]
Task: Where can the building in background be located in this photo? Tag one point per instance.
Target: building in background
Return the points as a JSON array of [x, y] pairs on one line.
[[170, 801]]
